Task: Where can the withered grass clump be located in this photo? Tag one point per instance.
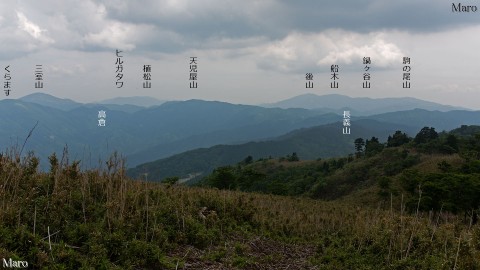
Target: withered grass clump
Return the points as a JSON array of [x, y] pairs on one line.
[[69, 219]]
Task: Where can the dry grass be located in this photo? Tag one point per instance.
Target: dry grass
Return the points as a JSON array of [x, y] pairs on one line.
[[429, 163], [103, 214]]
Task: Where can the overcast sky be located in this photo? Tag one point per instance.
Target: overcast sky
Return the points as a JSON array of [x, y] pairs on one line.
[[248, 51]]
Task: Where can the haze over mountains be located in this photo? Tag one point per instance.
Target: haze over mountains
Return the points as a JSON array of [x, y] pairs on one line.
[[137, 101], [68, 104], [309, 143], [322, 141], [359, 106], [144, 134], [51, 101], [125, 104]]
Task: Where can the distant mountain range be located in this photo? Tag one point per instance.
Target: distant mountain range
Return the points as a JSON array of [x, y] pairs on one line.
[[310, 143], [160, 131], [146, 133], [359, 106], [51, 101], [322, 141], [137, 101], [125, 104]]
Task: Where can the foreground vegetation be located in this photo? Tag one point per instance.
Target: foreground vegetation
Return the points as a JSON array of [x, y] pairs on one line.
[[378, 215], [67, 219]]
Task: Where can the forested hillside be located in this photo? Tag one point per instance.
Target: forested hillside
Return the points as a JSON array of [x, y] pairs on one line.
[[444, 169]]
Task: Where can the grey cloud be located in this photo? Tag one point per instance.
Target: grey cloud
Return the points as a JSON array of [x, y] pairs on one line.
[[275, 19], [169, 26], [195, 24], [198, 20], [374, 15], [173, 26], [28, 28], [303, 52]]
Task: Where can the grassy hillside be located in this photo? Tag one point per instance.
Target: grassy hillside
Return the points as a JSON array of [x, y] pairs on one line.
[[68, 219]]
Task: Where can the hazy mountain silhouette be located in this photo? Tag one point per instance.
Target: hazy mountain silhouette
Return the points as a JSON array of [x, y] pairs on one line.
[[421, 118], [51, 101], [359, 106], [136, 100], [116, 104], [309, 143], [175, 126], [146, 134]]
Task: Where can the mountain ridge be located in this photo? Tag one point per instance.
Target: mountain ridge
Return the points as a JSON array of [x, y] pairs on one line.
[[364, 105], [142, 101], [51, 101], [323, 141], [148, 134]]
